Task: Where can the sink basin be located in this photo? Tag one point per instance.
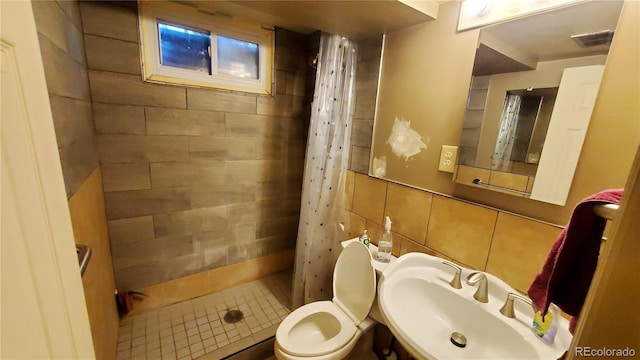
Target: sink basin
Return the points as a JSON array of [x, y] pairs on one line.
[[423, 311]]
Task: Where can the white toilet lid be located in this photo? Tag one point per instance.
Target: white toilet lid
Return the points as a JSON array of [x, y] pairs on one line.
[[354, 282]]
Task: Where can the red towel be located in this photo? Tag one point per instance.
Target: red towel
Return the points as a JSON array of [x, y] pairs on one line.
[[567, 273]]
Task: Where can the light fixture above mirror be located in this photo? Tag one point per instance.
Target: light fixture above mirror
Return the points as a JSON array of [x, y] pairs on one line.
[[476, 8], [476, 13]]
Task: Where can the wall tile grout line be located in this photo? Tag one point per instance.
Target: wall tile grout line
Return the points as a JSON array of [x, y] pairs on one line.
[[493, 233]]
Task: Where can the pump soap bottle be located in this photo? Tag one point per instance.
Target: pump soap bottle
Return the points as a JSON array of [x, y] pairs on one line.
[[364, 238], [385, 245]]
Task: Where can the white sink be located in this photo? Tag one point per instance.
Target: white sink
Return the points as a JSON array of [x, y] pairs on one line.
[[423, 311]]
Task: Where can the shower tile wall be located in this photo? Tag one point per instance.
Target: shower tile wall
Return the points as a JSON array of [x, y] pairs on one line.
[[60, 37], [472, 122], [194, 179]]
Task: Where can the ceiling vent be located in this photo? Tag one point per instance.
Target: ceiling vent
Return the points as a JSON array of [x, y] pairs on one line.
[[600, 38]]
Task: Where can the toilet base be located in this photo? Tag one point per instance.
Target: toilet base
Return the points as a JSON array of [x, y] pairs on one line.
[[364, 347]]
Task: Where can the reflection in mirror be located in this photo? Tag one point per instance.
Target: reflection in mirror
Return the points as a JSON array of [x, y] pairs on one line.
[[521, 91], [523, 127]]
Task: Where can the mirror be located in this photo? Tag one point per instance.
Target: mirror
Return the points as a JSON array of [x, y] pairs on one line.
[[522, 130]]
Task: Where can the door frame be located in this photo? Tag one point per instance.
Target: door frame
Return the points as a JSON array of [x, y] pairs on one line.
[[44, 313]]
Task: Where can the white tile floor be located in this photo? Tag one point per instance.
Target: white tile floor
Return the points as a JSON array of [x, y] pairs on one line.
[[193, 328]]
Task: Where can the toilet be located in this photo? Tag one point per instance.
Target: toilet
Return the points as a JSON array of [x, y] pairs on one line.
[[330, 329]]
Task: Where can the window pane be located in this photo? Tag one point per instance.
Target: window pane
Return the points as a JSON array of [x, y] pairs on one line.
[[238, 58], [184, 48]]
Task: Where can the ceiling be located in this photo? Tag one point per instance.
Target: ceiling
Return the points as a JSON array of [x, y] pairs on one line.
[[357, 20], [546, 36]]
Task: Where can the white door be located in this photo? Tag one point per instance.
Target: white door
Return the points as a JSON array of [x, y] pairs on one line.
[[567, 129], [44, 315]]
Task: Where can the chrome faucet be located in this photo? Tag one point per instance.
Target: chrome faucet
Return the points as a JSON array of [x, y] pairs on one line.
[[507, 308], [482, 294], [455, 282]]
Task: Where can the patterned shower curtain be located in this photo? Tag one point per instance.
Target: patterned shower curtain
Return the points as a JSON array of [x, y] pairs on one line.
[[325, 170], [501, 159]]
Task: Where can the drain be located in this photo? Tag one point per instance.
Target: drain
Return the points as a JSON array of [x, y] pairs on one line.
[[233, 316], [458, 340]]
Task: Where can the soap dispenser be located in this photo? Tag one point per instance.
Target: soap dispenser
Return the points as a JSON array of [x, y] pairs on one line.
[[364, 238], [385, 245]]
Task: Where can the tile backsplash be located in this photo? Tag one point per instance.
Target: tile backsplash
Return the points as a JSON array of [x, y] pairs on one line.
[[509, 246]]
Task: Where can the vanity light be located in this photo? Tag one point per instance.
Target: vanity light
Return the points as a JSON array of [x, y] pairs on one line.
[[478, 7]]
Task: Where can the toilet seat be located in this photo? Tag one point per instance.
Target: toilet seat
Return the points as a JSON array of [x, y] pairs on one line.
[[326, 327], [297, 334]]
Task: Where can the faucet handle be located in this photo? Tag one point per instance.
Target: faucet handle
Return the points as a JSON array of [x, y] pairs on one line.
[[507, 308], [455, 282]]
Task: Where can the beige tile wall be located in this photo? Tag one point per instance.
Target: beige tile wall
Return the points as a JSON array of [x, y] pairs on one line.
[[520, 246], [86, 208], [461, 230], [194, 179], [507, 245]]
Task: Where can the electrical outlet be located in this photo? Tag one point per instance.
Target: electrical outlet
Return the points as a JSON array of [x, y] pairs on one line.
[[448, 156]]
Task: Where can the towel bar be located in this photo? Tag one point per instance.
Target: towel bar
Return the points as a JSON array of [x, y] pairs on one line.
[[480, 183], [84, 254], [606, 211]]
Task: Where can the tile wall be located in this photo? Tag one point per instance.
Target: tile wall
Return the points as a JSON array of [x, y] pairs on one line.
[[194, 179], [367, 74], [487, 239], [472, 122], [86, 208], [60, 36]]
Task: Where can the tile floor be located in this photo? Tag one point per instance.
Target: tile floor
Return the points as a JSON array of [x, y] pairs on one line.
[[195, 328]]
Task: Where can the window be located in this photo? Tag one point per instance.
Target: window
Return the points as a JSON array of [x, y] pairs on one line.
[[238, 58], [181, 45], [184, 48]]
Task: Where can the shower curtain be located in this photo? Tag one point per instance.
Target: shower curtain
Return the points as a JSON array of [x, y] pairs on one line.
[[501, 159], [325, 170]]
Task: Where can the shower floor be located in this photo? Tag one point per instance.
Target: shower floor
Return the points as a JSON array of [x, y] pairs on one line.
[[195, 329]]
